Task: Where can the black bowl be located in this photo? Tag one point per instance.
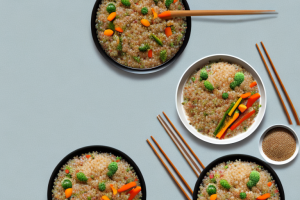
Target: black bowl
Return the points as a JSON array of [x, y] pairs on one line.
[[102, 149], [234, 157], [138, 70]]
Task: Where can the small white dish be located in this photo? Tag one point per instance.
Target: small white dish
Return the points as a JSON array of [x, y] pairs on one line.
[[200, 63], [273, 161]]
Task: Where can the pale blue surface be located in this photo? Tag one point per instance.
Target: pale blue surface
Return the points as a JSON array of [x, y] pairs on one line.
[[59, 94]]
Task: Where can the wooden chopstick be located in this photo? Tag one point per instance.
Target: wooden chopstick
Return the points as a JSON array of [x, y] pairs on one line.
[[282, 102], [184, 13], [161, 160], [175, 169], [282, 86], [186, 144], [179, 146]]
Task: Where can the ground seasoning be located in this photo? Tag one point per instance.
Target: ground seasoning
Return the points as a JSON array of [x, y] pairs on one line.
[[279, 144]]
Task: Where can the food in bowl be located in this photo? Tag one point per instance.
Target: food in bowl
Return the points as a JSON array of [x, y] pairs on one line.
[[220, 100], [132, 34], [100, 176], [279, 144], [238, 180]]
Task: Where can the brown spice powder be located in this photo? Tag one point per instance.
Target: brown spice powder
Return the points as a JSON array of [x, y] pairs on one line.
[[279, 144]]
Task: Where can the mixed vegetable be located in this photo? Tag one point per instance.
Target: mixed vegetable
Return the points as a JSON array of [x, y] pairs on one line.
[[236, 108]]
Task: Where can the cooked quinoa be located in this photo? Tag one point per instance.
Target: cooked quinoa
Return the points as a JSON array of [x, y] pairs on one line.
[[237, 174], [124, 47], [94, 166], [205, 108]]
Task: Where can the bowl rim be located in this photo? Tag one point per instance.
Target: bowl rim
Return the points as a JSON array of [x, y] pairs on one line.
[[231, 140], [139, 70], [233, 157], [100, 149], [273, 161]]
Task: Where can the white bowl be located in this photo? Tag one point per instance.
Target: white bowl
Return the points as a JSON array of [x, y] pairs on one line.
[[196, 66], [273, 161]]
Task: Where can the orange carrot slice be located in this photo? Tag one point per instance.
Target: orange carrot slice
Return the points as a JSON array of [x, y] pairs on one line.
[[113, 189], [213, 197], [253, 84], [246, 95], [145, 22], [150, 53], [119, 29], [175, 1], [223, 130], [237, 123], [108, 32], [154, 13], [165, 14], [242, 108], [269, 184], [105, 198], [134, 192], [252, 99], [127, 187], [111, 16], [264, 197], [168, 31], [68, 192]]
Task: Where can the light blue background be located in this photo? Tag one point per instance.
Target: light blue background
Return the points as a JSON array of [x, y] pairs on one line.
[[57, 93]]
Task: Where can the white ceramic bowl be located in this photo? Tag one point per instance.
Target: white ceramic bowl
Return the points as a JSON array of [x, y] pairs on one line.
[[196, 66], [273, 161]]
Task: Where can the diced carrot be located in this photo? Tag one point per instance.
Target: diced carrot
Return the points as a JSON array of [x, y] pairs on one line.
[[118, 160], [150, 53], [253, 84], [88, 156], [111, 16], [237, 123], [108, 32], [115, 191], [168, 31], [175, 1], [213, 197], [154, 13], [242, 108], [119, 29], [252, 99], [223, 130], [264, 196], [269, 184], [105, 198], [145, 22], [135, 179], [134, 192], [67, 171], [68, 192], [246, 95], [127, 187]]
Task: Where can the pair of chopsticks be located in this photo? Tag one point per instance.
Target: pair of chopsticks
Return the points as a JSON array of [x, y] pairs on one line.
[[180, 145], [281, 84], [184, 13]]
